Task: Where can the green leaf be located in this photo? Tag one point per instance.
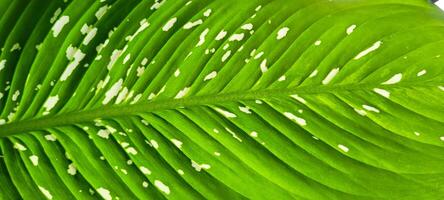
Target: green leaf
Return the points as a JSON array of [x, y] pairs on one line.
[[247, 99]]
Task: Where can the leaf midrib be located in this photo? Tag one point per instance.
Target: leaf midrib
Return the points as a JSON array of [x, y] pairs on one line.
[[109, 111]]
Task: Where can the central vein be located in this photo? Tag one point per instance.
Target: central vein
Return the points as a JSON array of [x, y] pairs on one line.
[[111, 111]]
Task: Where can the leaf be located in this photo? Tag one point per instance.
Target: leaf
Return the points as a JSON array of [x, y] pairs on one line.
[[221, 99]]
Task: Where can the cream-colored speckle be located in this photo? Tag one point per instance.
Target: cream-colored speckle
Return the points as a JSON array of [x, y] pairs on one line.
[[330, 76], [248, 26], [50, 137], [370, 108], [162, 187], [298, 98], [298, 120], [226, 55], [263, 66], [59, 24], [72, 170], [190, 25], [210, 76], [45, 192], [202, 37], [145, 170], [422, 72], [350, 29], [34, 160], [104, 193], [182, 93], [103, 133], [282, 33], [382, 92], [225, 113], [221, 35], [169, 24], [236, 37], [394, 79], [375, 46], [51, 102], [19, 147], [177, 142], [343, 148]]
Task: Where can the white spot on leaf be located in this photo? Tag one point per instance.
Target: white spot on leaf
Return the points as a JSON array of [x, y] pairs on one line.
[[375, 46], [282, 33], [59, 24], [330, 76], [298, 120], [394, 79], [169, 24]]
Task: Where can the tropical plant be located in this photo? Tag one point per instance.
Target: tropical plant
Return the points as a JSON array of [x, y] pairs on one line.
[[221, 99]]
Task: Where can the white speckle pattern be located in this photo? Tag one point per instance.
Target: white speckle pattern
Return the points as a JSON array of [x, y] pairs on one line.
[[144, 184], [182, 93], [253, 134], [145, 170], [162, 187], [318, 42], [313, 74], [350, 29], [343, 148], [59, 24], [441, 88], [225, 113], [237, 37], [15, 95], [16, 46], [202, 37], [394, 79], [75, 55], [282, 33], [226, 55], [89, 36], [190, 25], [422, 72], [375, 46], [113, 91], [382, 92], [19, 147], [103, 133], [177, 143], [50, 137], [198, 167], [330, 76], [101, 11], [221, 35], [104, 193], [45, 192], [207, 13], [169, 24], [361, 112], [154, 144], [282, 78], [50, 103], [131, 150], [247, 27], [370, 108], [2, 64], [298, 120], [72, 170], [245, 109], [210, 76], [263, 66], [298, 98], [34, 160], [442, 138], [56, 14]]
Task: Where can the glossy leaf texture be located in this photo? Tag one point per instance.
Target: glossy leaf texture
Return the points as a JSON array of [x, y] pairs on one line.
[[221, 99]]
